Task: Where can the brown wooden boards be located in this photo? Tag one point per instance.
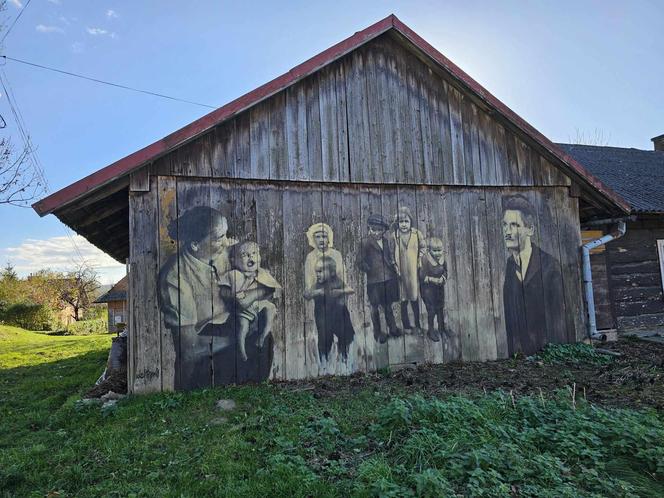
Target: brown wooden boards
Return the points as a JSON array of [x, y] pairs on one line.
[[195, 283], [167, 249], [376, 115], [144, 326], [293, 262], [341, 278]]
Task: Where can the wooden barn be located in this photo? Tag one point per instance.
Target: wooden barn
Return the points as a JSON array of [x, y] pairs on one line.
[[629, 273], [116, 304], [374, 206]]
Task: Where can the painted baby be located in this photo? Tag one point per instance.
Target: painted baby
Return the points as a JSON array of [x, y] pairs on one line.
[[251, 287]]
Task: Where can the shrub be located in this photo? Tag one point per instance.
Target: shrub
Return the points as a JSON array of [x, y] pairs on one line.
[[29, 316], [87, 327]]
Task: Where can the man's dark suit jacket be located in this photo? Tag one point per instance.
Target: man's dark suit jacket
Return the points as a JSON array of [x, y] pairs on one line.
[[534, 308]]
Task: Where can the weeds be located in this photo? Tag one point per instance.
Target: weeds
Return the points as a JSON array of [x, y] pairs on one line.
[[572, 353], [284, 443]]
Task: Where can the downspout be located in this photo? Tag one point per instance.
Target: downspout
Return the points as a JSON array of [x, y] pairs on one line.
[[588, 277]]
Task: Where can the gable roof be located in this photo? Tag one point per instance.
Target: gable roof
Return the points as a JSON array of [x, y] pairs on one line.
[[637, 175], [123, 167], [116, 293]]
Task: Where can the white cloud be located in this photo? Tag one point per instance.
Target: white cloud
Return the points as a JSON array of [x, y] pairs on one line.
[[64, 20], [111, 14], [96, 31], [42, 28], [16, 3], [56, 2], [60, 254], [77, 47]]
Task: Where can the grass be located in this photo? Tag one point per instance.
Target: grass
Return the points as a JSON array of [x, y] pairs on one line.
[[285, 442]]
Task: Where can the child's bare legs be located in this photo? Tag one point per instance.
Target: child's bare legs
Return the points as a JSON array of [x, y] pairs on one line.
[[270, 312], [242, 336]]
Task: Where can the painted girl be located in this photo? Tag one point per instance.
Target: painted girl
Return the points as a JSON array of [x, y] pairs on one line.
[[321, 239], [410, 245]]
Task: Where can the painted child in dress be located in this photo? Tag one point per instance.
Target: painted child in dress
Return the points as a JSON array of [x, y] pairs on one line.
[[332, 317], [251, 287], [409, 246], [433, 275]]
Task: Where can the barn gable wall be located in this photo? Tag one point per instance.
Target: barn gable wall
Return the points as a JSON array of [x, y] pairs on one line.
[[377, 115], [367, 136]]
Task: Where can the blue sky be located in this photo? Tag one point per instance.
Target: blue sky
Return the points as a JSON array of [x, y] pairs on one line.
[[567, 67]]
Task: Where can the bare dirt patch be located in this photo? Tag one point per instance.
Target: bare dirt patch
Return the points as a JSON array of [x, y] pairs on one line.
[[634, 379]]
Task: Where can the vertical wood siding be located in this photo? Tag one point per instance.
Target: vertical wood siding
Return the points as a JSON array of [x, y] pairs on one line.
[[277, 216]]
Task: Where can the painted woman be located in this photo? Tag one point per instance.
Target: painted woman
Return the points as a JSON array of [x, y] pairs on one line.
[[183, 281], [410, 245]]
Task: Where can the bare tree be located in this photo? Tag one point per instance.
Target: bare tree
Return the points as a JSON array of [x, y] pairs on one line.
[[21, 178], [595, 138], [78, 289], [20, 181]]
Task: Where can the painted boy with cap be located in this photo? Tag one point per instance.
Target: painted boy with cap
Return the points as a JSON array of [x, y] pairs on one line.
[[376, 259]]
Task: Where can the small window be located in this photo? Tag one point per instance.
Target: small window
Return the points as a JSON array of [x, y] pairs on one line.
[[660, 250], [117, 318]]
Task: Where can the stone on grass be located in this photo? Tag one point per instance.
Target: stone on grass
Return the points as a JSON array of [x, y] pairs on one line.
[[111, 395], [225, 405]]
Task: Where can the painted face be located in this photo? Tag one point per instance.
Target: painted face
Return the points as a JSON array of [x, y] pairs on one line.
[[322, 272], [376, 231], [515, 232], [322, 240], [218, 235], [213, 243], [248, 258], [436, 251], [404, 223]]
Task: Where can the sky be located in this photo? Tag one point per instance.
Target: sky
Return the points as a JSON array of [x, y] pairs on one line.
[[575, 70]]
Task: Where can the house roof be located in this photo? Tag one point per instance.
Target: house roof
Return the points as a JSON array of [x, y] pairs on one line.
[[123, 167], [116, 293], [637, 175]]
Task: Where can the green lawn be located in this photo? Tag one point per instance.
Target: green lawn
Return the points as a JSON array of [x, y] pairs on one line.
[[293, 442]]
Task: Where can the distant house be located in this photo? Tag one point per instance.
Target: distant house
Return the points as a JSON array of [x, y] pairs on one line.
[[629, 273], [116, 299]]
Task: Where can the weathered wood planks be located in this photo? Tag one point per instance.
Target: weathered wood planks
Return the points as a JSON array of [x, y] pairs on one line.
[[377, 115], [277, 217]]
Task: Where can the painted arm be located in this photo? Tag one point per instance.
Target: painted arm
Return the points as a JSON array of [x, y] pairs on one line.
[[341, 292]]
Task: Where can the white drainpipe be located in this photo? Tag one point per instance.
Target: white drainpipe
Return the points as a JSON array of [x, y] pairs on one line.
[[588, 277]]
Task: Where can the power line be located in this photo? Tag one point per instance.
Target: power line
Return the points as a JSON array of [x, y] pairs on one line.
[[117, 85], [22, 128], [15, 21], [25, 136]]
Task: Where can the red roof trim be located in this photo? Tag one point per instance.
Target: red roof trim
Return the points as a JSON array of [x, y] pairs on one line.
[[133, 161]]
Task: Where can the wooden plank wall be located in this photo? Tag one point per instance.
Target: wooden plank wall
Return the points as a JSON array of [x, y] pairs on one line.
[[373, 132], [277, 216], [378, 115], [635, 279]]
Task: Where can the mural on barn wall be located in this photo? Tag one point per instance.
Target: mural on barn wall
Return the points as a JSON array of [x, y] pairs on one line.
[[232, 320]]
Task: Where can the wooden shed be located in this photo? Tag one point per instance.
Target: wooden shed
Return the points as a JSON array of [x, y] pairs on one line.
[[629, 273], [374, 206], [116, 304]]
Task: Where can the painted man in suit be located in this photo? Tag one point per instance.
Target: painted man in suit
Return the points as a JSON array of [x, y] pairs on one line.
[[532, 291], [376, 259]]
